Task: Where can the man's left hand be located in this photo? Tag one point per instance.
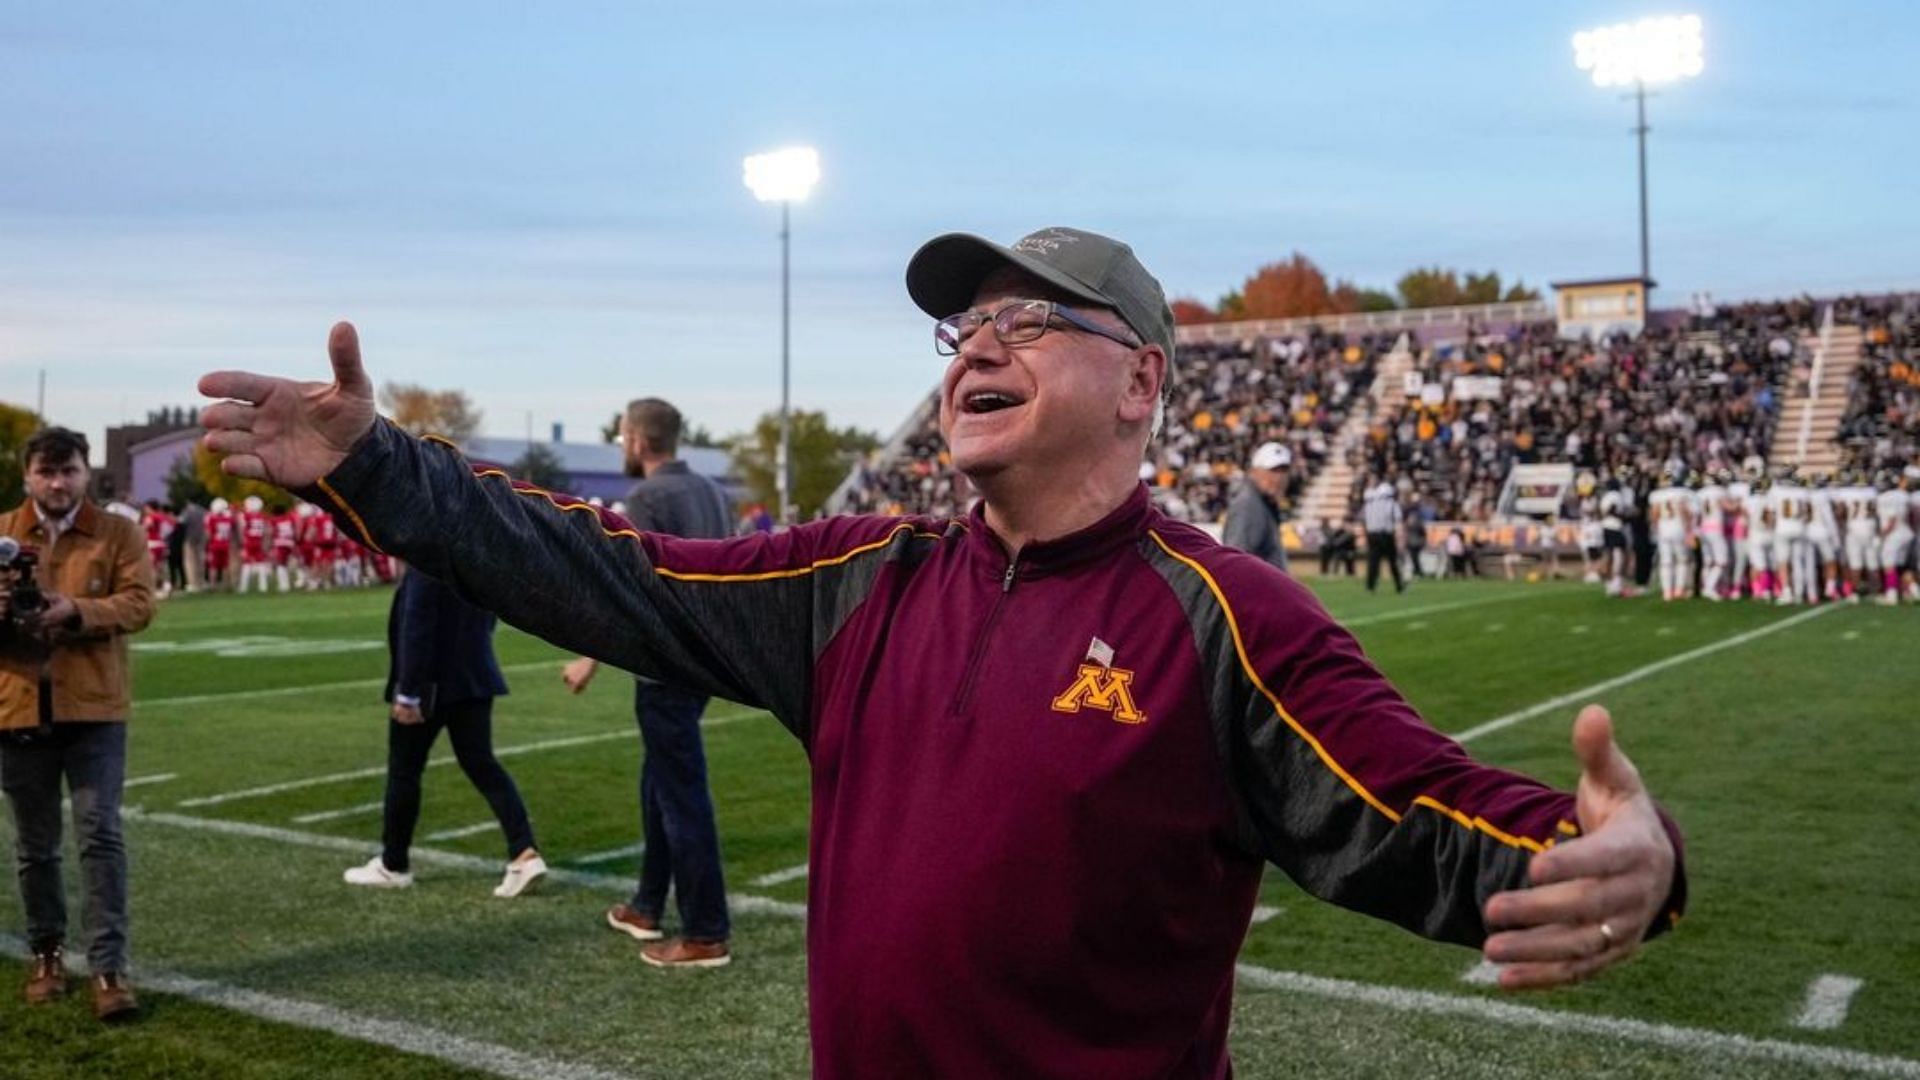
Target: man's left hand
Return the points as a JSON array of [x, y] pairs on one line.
[[1593, 897], [54, 616]]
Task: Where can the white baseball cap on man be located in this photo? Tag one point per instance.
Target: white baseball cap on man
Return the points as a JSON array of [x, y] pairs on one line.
[[1271, 455]]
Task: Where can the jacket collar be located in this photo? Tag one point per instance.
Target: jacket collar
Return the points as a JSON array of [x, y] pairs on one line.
[[668, 467], [1122, 526], [28, 521]]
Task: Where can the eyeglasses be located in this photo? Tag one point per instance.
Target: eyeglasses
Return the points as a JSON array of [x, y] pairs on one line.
[[1016, 323]]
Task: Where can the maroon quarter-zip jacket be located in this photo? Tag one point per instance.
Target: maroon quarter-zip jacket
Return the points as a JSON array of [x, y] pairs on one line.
[[1043, 787]]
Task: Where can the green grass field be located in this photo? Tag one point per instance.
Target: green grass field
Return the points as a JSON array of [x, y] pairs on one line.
[[255, 763]]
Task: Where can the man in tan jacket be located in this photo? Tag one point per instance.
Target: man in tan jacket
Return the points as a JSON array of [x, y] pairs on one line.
[[64, 702]]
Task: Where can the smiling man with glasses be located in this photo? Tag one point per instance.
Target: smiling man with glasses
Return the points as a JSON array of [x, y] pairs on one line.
[[1053, 743]]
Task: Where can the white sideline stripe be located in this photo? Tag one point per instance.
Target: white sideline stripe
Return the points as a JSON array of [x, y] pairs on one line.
[[610, 854], [399, 1035], [333, 815], [779, 877], [1484, 973], [1498, 1012], [156, 778], [381, 770], [310, 688], [744, 904], [464, 830], [1828, 998], [1692, 1040], [1586, 693], [1264, 913], [1431, 609]]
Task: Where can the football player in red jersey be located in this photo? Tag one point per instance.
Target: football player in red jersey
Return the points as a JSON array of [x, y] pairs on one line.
[[286, 536], [255, 542], [159, 526], [220, 529]]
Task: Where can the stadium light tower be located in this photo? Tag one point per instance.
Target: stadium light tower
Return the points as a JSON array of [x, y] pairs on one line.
[[1638, 54], [786, 177]]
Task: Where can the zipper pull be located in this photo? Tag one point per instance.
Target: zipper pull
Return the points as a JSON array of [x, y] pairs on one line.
[[1006, 582]]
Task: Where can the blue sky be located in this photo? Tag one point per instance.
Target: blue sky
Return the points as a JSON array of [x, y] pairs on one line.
[[541, 203]]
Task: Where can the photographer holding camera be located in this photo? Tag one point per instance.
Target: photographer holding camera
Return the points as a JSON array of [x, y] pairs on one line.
[[64, 702]]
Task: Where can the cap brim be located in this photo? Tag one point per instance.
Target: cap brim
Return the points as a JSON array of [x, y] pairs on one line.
[[945, 274]]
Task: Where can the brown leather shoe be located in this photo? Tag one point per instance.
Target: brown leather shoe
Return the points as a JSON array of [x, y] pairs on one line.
[[113, 997], [634, 924], [687, 953], [46, 977]]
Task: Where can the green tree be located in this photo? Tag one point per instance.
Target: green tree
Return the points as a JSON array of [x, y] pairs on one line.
[[541, 467], [219, 485], [17, 425], [1432, 286], [822, 454], [184, 486]]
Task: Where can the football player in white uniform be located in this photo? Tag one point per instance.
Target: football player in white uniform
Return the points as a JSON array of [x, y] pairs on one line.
[[1668, 507], [1791, 555], [1613, 538], [1713, 535], [1760, 540], [1823, 536], [1892, 506], [1863, 536]]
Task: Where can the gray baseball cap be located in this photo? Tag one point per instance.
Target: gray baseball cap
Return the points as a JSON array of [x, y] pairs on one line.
[[944, 274]]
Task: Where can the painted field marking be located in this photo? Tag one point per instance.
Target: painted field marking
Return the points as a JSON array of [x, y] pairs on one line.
[[781, 877], [1851, 635], [1581, 629], [156, 778], [1434, 609], [310, 688], [1495, 627], [504, 751], [1665, 631], [1420, 624], [610, 855], [464, 830], [343, 812], [1484, 973], [1828, 998], [1493, 1011], [1586, 693], [740, 903], [486, 1057], [1264, 913]]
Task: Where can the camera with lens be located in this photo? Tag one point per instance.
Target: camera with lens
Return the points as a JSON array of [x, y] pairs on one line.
[[25, 601]]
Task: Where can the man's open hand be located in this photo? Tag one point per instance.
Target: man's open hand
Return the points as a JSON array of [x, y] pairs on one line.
[[285, 432], [1593, 897]]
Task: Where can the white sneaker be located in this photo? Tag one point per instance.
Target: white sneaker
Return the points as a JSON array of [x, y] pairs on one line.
[[522, 875], [375, 875]]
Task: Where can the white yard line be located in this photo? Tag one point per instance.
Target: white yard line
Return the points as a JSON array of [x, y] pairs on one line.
[[740, 903], [779, 877], [1433, 609], [1586, 693], [1494, 1011], [311, 688], [381, 770], [1489, 1010], [609, 855], [142, 781], [412, 1038], [335, 815], [464, 830], [1264, 913], [1828, 998]]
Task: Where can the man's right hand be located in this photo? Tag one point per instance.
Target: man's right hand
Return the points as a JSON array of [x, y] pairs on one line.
[[285, 432], [578, 673]]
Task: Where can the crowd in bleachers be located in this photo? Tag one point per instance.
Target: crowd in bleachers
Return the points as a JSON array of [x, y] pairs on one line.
[[1698, 396], [1225, 400], [1881, 427]]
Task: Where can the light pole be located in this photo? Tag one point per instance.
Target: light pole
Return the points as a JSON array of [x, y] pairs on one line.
[[786, 177], [1638, 54]]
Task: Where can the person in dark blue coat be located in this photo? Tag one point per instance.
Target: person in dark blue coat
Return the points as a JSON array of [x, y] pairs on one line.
[[444, 676]]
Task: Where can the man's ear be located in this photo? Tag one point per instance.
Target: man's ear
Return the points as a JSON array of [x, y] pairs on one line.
[[1146, 381]]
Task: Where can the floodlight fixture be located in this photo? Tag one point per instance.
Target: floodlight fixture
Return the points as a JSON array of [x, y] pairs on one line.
[[783, 176], [1651, 52]]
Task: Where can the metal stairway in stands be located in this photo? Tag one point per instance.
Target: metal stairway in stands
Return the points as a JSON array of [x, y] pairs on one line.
[[1327, 492]]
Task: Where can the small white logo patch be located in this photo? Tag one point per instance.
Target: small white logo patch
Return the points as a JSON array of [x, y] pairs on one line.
[[1099, 652]]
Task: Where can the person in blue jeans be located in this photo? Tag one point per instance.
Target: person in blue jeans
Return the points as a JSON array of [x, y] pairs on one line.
[[682, 842], [444, 677]]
